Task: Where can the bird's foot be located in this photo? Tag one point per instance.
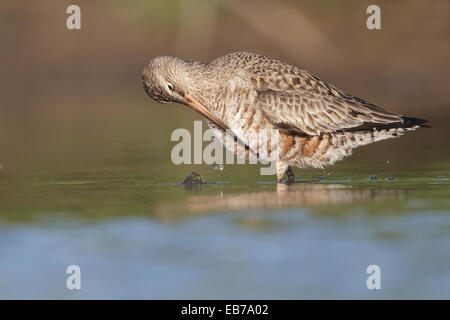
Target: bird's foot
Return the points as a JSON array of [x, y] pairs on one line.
[[291, 175]]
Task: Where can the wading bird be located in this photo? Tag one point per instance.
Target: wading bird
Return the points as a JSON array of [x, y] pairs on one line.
[[244, 93]]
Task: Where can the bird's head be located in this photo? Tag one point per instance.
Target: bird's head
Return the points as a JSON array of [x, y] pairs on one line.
[[164, 79], [170, 79]]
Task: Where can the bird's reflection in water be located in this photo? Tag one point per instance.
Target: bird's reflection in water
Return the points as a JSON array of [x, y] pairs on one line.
[[285, 196]]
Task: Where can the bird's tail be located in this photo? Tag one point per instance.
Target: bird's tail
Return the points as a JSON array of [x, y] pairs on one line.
[[409, 122]]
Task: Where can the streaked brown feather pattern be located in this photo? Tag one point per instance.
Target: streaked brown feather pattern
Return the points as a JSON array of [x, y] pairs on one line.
[[318, 123]]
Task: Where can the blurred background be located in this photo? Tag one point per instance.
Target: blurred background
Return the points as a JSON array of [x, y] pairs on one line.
[[67, 95], [81, 141]]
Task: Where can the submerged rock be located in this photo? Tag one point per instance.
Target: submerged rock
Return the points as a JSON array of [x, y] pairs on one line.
[[193, 178]]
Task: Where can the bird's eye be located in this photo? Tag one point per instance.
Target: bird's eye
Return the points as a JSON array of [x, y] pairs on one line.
[[170, 86]]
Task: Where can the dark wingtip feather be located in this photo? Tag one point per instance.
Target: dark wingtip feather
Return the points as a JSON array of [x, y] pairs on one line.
[[409, 122]]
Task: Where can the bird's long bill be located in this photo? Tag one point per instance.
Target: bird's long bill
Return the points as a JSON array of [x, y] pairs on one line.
[[191, 102]]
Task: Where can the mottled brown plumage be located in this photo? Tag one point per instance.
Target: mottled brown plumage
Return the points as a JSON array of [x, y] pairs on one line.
[[247, 93]]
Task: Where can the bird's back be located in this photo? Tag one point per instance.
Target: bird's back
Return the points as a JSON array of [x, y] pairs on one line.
[[295, 100]]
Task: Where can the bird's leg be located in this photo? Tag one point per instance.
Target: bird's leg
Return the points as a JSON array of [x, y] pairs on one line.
[[281, 169], [290, 174]]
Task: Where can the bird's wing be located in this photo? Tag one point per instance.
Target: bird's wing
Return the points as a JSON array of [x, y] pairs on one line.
[[314, 113], [294, 99]]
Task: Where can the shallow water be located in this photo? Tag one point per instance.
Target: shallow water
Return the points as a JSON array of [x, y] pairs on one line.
[[97, 189]]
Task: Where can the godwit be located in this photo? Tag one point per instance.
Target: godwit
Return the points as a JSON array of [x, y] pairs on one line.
[[246, 93]]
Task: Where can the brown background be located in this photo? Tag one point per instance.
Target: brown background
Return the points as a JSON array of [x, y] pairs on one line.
[[67, 94]]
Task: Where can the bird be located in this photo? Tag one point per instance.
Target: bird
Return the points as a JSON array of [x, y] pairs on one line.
[[242, 93]]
